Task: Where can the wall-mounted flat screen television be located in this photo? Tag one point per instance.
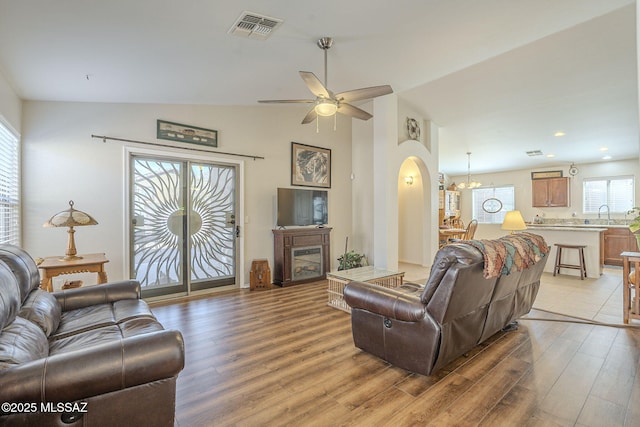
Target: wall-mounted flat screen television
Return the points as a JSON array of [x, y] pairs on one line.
[[302, 207]]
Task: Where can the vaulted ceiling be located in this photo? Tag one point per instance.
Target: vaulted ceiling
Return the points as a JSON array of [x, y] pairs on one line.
[[498, 78]]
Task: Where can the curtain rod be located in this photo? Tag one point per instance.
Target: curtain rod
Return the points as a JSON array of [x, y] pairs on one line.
[[104, 139]]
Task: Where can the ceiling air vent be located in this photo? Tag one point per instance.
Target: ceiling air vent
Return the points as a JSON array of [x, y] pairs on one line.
[[254, 26], [534, 153]]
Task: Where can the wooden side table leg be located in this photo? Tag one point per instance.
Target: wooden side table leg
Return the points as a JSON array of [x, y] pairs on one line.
[[636, 288], [626, 291], [46, 283], [102, 277]]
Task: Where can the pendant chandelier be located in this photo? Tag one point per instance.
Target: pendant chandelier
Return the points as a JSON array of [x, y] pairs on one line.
[[469, 184]]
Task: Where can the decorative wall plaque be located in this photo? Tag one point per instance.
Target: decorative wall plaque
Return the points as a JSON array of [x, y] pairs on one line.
[[413, 128], [546, 174]]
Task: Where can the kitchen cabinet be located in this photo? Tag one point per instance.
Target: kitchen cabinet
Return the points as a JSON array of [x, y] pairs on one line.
[[616, 241], [550, 192]]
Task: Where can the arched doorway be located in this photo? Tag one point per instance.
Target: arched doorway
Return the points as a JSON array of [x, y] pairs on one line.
[[410, 213]]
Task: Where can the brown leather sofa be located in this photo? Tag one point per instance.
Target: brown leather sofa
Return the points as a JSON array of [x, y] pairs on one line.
[[422, 328], [93, 356]]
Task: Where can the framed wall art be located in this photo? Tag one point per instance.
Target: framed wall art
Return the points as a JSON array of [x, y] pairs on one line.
[[546, 174], [185, 133], [310, 166]]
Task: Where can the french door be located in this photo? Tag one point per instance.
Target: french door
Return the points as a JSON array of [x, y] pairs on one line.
[[183, 231]]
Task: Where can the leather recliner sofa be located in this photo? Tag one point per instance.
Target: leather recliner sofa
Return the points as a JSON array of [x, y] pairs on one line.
[[93, 356], [475, 289]]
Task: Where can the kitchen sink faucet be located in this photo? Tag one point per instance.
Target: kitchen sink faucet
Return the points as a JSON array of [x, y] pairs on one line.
[[608, 213]]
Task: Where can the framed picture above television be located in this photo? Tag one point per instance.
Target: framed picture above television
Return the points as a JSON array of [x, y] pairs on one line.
[[186, 133], [310, 166]]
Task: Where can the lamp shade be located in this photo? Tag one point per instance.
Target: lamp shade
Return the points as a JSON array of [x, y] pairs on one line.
[[513, 221], [70, 218]]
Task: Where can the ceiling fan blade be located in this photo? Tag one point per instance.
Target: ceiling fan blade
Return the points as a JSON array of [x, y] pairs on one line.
[[364, 93], [315, 85], [311, 116], [352, 111], [288, 101]]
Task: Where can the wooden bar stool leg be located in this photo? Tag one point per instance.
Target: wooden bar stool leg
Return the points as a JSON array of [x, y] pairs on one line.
[[556, 268], [583, 266]]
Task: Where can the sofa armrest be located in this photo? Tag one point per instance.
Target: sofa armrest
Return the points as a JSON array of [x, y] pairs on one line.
[[396, 303], [72, 299], [101, 369]]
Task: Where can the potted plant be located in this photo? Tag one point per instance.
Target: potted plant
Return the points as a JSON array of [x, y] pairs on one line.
[[350, 259], [634, 225]]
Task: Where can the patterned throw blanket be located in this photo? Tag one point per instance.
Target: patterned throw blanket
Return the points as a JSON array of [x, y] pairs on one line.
[[513, 252]]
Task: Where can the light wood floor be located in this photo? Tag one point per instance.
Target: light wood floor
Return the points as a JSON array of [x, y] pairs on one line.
[[283, 357]]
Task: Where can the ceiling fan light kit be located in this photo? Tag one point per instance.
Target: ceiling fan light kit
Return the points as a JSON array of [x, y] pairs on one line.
[[326, 107], [326, 103]]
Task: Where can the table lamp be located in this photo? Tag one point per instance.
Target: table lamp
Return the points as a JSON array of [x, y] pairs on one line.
[[513, 221], [70, 218]]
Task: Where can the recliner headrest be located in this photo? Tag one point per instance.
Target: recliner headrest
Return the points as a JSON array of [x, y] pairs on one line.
[[23, 267]]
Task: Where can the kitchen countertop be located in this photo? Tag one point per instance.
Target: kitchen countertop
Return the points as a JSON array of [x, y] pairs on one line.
[[575, 227]]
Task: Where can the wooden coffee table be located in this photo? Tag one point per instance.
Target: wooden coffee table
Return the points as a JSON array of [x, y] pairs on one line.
[[370, 274]]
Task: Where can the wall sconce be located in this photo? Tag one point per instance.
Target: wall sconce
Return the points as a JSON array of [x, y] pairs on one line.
[[408, 180]]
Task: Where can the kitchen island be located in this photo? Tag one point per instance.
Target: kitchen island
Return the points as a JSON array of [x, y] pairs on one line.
[[589, 235]]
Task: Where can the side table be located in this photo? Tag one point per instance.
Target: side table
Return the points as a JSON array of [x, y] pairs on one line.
[[55, 266], [631, 301]]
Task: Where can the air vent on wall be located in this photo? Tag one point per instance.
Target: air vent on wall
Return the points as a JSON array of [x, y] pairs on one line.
[[534, 153], [254, 26]]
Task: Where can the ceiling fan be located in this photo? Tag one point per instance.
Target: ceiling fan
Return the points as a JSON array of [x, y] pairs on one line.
[[326, 102]]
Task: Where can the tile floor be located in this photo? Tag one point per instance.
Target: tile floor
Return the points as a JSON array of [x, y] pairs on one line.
[[599, 299]]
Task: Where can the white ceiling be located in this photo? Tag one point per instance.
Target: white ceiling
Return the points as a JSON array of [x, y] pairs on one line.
[[498, 77]]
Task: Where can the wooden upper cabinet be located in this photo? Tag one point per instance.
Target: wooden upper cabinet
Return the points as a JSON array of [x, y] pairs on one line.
[[550, 192]]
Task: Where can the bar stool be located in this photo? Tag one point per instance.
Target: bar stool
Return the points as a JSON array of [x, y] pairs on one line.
[[582, 267]]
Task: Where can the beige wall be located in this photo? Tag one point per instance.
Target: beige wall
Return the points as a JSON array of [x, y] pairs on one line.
[[10, 106], [62, 162]]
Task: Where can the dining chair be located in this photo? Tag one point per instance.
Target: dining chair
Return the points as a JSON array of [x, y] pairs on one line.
[[456, 223], [471, 229]]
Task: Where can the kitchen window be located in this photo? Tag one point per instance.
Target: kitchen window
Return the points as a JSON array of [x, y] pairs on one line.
[[615, 192], [505, 194]]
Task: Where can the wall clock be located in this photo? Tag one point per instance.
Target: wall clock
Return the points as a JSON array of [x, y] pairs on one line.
[[413, 128], [492, 205], [573, 170]]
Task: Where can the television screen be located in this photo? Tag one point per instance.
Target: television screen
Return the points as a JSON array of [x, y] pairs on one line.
[[302, 207]]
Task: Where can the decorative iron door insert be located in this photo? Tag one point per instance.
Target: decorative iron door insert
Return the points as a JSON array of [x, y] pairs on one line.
[[172, 199]]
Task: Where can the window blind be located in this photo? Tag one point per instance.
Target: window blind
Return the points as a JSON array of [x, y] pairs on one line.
[[616, 192], [505, 194], [9, 187]]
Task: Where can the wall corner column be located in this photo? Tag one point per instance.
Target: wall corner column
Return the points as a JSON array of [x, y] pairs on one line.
[[385, 184]]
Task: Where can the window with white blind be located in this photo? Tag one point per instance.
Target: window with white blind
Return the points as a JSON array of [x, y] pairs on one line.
[[9, 187], [506, 195], [615, 192]]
